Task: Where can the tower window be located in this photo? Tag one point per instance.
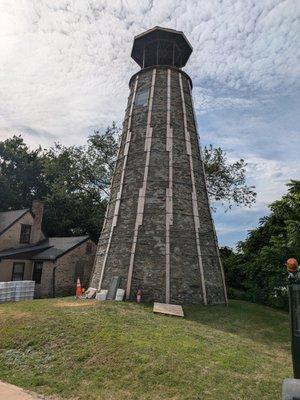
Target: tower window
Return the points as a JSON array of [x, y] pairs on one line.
[[142, 98]]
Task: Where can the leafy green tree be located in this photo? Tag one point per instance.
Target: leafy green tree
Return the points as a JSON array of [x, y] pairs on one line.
[[21, 177], [79, 179], [261, 257], [232, 264], [74, 181], [226, 182]]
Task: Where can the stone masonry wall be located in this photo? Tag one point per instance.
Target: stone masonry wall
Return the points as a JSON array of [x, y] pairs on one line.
[[159, 234], [73, 264]]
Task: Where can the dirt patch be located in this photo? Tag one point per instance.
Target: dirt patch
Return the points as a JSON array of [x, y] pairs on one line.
[[80, 303], [20, 314]]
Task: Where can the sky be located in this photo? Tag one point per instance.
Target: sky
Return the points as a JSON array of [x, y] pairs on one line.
[[65, 68]]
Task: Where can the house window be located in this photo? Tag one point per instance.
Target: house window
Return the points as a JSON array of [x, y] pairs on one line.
[[88, 248], [25, 233], [18, 271], [37, 272], [142, 98]]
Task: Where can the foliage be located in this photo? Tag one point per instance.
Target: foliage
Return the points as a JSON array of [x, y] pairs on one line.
[[232, 264], [115, 350], [227, 182], [258, 266], [73, 181], [21, 176], [78, 178]]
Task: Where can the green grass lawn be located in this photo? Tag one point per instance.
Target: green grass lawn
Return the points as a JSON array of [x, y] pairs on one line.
[[90, 350]]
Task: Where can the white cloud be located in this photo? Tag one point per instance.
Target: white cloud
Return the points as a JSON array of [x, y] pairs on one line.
[[66, 64], [65, 67]]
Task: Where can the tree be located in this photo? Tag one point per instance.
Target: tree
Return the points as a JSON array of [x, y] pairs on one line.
[[79, 179], [21, 177], [234, 271], [261, 256], [226, 183], [74, 181]]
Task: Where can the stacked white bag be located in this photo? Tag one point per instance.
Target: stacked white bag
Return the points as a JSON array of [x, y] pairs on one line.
[[24, 290], [16, 291], [5, 291]]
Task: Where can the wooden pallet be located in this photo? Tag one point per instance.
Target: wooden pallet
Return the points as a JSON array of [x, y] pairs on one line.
[[170, 309]]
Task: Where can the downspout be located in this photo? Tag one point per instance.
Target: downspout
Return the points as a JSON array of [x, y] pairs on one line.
[[53, 280]]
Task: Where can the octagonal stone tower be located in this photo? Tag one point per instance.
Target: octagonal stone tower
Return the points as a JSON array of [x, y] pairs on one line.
[[158, 233]]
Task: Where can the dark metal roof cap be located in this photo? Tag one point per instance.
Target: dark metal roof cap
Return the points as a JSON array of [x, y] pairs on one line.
[[157, 33]]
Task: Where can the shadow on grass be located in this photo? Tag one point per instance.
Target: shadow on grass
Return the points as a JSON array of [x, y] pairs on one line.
[[241, 318], [252, 321], [256, 322]]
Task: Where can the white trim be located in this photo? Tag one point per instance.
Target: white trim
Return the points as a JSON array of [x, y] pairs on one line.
[[208, 202], [142, 190], [194, 193], [119, 194], [169, 190]]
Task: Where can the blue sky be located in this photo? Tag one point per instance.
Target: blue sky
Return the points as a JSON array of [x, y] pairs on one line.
[[65, 67]]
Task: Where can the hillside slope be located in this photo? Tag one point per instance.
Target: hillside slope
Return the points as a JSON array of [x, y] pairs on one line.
[[86, 349]]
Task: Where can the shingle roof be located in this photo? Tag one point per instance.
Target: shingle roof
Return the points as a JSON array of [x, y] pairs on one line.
[[8, 218], [59, 246], [26, 251]]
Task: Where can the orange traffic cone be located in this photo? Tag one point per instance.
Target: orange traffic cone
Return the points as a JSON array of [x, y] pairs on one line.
[[78, 288]]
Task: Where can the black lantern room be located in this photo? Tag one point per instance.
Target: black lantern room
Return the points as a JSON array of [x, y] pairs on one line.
[[161, 46]]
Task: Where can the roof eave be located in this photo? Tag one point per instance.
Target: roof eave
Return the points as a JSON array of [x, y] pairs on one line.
[[55, 258], [165, 30]]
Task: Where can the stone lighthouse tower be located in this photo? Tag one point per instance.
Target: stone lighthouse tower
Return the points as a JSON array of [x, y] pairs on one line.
[[158, 233]]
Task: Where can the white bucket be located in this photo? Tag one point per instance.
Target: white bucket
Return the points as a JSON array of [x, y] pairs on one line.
[[101, 295], [120, 294]]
